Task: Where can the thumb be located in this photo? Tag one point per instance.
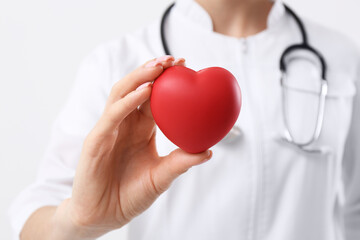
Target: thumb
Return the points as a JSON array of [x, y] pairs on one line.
[[175, 164]]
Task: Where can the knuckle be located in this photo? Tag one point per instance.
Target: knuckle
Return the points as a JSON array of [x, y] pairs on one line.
[[157, 188], [127, 103], [182, 171], [114, 113], [110, 115], [179, 168], [115, 87], [90, 139], [98, 137]]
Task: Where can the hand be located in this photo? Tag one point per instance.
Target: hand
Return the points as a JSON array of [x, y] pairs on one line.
[[120, 173]]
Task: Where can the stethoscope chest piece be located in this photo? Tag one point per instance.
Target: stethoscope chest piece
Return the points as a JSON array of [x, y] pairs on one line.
[[233, 136]]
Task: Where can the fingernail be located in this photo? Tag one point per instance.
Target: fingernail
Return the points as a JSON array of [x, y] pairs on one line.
[[142, 86], [180, 60], [208, 155], [153, 63], [165, 58]]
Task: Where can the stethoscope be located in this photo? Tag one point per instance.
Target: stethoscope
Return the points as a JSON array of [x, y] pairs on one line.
[[304, 45]]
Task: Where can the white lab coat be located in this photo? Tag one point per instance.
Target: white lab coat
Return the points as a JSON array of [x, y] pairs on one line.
[[256, 187]]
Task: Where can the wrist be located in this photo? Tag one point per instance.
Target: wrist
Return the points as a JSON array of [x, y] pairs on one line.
[[66, 228]]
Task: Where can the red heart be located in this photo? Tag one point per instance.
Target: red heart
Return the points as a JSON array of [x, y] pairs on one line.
[[195, 110]]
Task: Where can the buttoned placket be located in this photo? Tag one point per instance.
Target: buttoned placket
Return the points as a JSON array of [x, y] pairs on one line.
[[245, 51]]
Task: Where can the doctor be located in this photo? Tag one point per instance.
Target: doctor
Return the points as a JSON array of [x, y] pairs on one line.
[[107, 165]]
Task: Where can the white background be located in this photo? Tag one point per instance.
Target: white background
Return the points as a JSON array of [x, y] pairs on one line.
[[41, 45]]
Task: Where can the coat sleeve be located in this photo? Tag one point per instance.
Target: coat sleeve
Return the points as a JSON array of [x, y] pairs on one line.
[[80, 113], [351, 168]]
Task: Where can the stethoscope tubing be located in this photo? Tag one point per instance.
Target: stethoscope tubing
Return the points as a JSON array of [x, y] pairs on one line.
[[304, 45]]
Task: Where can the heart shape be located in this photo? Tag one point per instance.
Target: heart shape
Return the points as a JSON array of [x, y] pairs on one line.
[[195, 110]]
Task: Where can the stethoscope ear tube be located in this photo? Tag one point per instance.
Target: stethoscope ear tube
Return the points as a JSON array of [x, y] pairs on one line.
[[162, 29], [299, 23]]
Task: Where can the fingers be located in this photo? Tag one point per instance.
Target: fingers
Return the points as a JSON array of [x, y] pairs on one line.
[[175, 164], [180, 62], [115, 113], [145, 107], [147, 72], [179, 161], [137, 89]]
